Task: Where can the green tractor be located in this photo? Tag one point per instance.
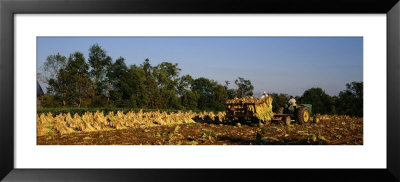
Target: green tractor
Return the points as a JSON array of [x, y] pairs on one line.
[[299, 113]]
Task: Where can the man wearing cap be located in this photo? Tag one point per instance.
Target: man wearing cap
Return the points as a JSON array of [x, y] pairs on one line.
[[292, 103], [264, 95]]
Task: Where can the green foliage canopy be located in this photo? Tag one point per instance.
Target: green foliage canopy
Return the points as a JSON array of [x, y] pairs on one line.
[[102, 82]]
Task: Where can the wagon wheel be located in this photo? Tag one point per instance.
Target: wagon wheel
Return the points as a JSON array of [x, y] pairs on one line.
[[287, 120], [303, 115], [264, 122]]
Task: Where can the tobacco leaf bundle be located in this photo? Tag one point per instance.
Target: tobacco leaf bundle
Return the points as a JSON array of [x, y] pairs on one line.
[[263, 106]]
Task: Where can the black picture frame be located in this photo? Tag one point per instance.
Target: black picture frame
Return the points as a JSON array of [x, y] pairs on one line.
[[8, 8]]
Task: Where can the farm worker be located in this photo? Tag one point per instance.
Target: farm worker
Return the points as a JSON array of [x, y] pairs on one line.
[[264, 95], [292, 101]]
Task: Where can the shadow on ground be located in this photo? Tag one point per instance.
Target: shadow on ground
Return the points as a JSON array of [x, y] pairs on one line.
[[216, 121]]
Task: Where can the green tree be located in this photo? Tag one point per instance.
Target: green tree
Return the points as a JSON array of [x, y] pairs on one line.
[[48, 101], [52, 66], [203, 87], [72, 84], [278, 100], [350, 101], [245, 88], [230, 91], [184, 84], [78, 69], [190, 99], [117, 75], [137, 82], [57, 83], [98, 61], [320, 101], [220, 97], [212, 96], [333, 106], [167, 78], [151, 86]]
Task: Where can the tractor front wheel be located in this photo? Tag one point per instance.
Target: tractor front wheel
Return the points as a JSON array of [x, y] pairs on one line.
[[303, 115]]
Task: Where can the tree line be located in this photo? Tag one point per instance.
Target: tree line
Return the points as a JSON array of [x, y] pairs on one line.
[[348, 102], [102, 82]]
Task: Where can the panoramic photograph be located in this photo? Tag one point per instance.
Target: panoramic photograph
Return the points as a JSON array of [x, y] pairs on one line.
[[199, 91]]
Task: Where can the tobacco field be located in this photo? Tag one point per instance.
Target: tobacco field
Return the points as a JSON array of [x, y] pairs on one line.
[[190, 128]]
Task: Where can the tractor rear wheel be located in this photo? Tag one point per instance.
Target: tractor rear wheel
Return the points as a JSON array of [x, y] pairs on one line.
[[303, 115]]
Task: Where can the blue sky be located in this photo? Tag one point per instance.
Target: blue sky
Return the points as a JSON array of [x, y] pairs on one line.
[[273, 64]]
